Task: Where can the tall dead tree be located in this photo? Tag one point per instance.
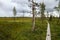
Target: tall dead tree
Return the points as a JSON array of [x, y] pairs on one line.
[[33, 19], [33, 12]]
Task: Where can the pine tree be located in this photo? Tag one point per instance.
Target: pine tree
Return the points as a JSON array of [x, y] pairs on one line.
[[14, 12], [42, 9]]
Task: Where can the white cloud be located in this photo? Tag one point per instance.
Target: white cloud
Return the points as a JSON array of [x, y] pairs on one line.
[[6, 6]]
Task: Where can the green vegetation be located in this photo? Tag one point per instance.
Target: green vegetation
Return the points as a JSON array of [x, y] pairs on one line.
[[55, 29], [21, 29]]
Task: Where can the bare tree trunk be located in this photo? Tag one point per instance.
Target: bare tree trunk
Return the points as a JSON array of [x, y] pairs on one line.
[[33, 23], [23, 17], [59, 14], [33, 19], [14, 18]]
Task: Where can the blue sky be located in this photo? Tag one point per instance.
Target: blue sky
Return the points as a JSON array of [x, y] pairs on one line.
[[6, 6]]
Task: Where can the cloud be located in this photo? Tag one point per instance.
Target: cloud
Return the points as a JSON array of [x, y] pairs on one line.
[[6, 6]]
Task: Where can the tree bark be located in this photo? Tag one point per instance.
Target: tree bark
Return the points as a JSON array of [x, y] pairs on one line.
[[33, 19]]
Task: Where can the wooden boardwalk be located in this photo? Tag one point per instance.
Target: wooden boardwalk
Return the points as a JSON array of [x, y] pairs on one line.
[[48, 35]]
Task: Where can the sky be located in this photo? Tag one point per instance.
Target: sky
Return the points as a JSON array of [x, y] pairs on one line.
[[6, 7]]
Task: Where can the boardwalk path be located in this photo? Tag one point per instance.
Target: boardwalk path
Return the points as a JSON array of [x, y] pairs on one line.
[[48, 36]]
